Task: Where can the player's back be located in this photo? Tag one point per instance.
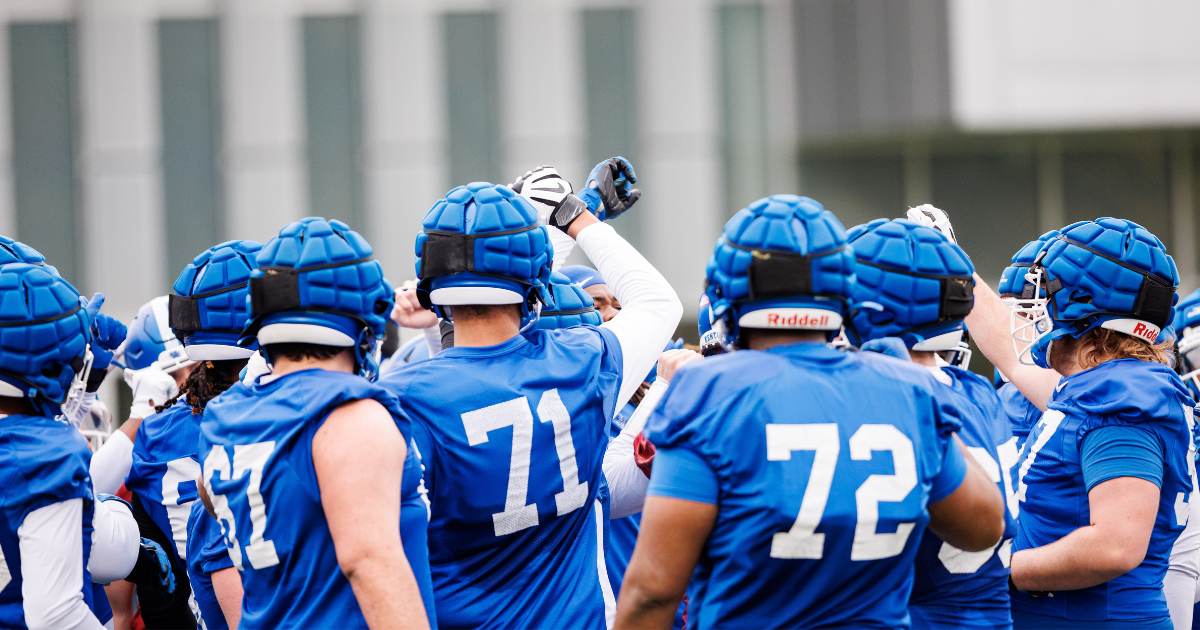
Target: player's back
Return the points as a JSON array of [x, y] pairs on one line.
[[42, 462], [513, 437], [955, 588], [165, 468], [825, 463], [256, 450]]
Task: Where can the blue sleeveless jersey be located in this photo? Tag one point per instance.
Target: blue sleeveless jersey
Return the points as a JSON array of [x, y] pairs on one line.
[[256, 450], [206, 554], [1022, 414], [42, 462], [825, 463], [513, 437], [960, 589], [1054, 500], [165, 468]]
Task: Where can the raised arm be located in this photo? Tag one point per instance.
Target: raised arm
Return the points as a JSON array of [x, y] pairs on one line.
[[990, 326], [650, 309]]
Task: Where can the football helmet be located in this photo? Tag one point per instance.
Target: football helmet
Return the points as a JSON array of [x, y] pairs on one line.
[[781, 263], [208, 310]]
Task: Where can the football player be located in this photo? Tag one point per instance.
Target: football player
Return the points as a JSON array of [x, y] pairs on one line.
[[915, 285], [47, 532], [155, 366], [759, 449], [1016, 291], [512, 422], [206, 314], [1182, 582], [1105, 475], [309, 468]]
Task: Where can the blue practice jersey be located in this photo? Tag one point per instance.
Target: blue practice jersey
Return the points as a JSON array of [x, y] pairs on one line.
[[256, 449], [206, 555], [961, 589], [165, 468], [825, 463], [513, 437], [42, 462], [1054, 501], [1022, 414]]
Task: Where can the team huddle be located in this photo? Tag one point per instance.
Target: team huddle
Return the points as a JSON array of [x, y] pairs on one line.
[[542, 454]]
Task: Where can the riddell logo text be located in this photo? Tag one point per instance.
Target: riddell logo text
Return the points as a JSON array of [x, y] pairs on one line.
[[797, 321], [1145, 332]]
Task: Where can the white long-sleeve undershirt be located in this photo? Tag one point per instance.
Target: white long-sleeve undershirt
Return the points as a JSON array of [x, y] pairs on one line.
[[650, 309], [627, 483], [111, 463], [51, 542], [115, 542]]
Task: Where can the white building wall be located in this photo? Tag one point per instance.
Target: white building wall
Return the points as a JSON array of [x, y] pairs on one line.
[[263, 102], [680, 175], [121, 202], [1030, 64], [403, 125]]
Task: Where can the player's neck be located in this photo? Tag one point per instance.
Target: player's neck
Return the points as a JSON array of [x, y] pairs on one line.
[[11, 406], [485, 327], [759, 339], [923, 357], [341, 362]]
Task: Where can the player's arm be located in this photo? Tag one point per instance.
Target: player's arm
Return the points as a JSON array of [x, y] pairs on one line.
[[1122, 470], [990, 324], [626, 482], [116, 540], [51, 541], [227, 586], [358, 455], [671, 537], [650, 309], [971, 518]]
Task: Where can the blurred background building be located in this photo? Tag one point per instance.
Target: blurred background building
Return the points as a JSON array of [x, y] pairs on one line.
[[140, 132]]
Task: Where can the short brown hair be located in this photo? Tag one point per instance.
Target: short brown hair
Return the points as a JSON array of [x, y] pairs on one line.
[[1102, 344], [476, 311]]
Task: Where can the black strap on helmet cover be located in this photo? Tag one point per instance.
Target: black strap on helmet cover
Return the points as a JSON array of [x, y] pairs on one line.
[[956, 294], [183, 311], [774, 274], [1153, 302], [574, 311], [278, 288], [447, 253], [44, 320]]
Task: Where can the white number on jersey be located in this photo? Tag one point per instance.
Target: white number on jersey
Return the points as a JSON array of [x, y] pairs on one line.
[[5, 575], [1049, 426], [250, 458], [802, 541], [1182, 508], [962, 562], [516, 413], [179, 471]]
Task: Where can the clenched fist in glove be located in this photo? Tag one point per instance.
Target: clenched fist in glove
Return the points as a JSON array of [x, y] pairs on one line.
[[550, 195], [107, 336], [934, 218], [609, 191]]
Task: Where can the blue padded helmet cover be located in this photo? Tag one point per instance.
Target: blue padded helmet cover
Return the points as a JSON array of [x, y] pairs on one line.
[[572, 306], [341, 283], [44, 331], [903, 272], [517, 259], [798, 227], [1012, 279], [220, 276], [1095, 272], [1187, 313]]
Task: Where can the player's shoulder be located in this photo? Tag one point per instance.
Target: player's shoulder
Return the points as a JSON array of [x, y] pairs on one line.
[[47, 452], [898, 370], [718, 377], [1131, 389]]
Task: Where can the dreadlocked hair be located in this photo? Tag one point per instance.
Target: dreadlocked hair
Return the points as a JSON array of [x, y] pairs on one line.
[[208, 380]]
